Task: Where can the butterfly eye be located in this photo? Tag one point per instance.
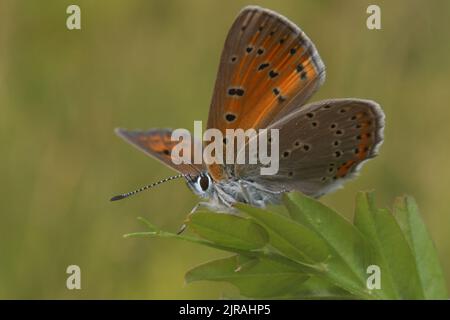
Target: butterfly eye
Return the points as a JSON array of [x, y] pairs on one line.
[[204, 181]]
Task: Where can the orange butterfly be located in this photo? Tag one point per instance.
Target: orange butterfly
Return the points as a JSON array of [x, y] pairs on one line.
[[268, 70]]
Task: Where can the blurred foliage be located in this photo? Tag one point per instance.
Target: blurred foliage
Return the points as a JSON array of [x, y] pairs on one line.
[[143, 64], [316, 253]]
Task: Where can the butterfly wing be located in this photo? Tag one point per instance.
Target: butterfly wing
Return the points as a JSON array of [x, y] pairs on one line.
[[157, 143], [268, 66], [321, 145]]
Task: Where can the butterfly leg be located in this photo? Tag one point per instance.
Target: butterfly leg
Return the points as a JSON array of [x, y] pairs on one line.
[[260, 196], [244, 192], [261, 188], [224, 202], [207, 205], [184, 225], [248, 188]]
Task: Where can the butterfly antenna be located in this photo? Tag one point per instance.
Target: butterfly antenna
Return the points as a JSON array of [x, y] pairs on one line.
[[126, 195]]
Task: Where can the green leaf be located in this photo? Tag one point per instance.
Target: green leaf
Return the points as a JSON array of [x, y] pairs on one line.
[[228, 230], [307, 250], [351, 253], [290, 238], [364, 220], [257, 278], [319, 288], [398, 271], [158, 233], [431, 276], [265, 254]]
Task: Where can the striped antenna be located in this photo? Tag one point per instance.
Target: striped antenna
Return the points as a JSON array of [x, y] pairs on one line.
[[126, 195]]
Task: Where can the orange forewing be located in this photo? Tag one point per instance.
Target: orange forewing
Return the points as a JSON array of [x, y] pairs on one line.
[[158, 144], [268, 68]]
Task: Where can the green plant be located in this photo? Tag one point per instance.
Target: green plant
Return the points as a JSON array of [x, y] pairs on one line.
[[304, 249]]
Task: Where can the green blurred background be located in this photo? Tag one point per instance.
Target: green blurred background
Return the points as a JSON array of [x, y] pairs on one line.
[[143, 64]]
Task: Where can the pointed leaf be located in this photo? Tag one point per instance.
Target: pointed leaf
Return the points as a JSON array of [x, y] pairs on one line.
[[397, 264], [399, 256], [350, 250], [256, 278], [431, 276], [364, 220]]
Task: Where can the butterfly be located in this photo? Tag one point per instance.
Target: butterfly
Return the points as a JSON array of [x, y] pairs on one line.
[[268, 70]]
